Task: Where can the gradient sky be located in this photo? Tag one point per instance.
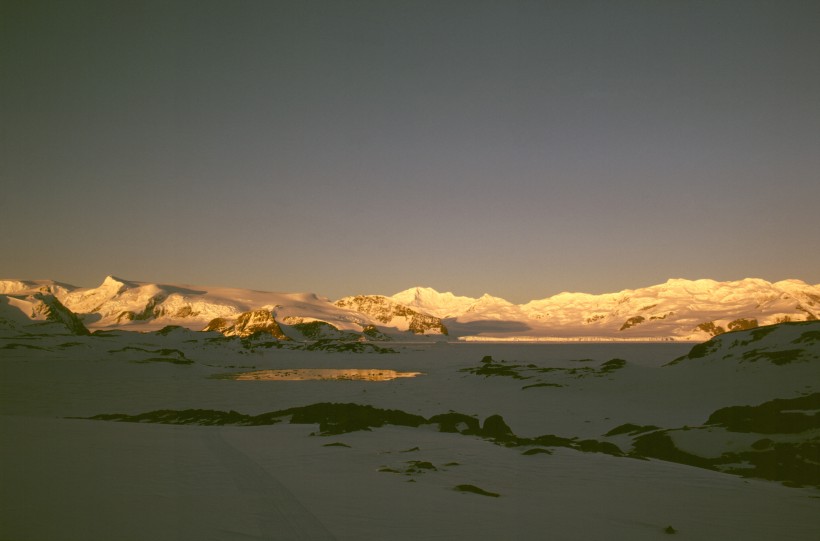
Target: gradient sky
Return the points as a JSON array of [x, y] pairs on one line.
[[515, 148]]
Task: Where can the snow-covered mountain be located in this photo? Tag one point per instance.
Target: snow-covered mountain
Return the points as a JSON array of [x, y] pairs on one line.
[[678, 309], [390, 312], [430, 301], [682, 309], [692, 309], [140, 306], [38, 310]]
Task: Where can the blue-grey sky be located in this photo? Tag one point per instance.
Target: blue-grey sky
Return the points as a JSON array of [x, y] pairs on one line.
[[516, 148]]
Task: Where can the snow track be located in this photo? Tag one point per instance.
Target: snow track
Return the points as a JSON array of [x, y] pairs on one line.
[[278, 513]]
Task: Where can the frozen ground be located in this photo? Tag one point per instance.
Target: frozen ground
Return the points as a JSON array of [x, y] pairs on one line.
[[548, 470]]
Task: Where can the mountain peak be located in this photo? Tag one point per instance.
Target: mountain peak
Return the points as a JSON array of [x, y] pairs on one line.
[[420, 292], [112, 281], [443, 305]]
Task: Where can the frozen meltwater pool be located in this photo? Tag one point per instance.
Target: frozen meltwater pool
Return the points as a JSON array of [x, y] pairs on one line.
[[303, 374]]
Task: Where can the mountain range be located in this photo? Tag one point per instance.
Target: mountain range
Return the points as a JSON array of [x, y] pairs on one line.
[[678, 309]]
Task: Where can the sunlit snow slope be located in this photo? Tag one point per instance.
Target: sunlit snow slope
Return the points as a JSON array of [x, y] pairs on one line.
[[676, 310], [681, 309], [125, 304]]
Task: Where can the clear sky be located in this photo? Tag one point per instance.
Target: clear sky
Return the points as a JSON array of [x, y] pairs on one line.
[[515, 148]]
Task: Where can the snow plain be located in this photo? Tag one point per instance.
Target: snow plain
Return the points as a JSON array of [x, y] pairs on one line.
[[66, 477]]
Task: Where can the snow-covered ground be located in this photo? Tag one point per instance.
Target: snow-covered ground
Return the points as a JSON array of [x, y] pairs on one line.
[[551, 469]]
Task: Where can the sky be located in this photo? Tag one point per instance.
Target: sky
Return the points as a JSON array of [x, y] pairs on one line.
[[517, 148]]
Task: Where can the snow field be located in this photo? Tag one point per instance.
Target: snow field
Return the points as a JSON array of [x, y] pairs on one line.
[[66, 479]]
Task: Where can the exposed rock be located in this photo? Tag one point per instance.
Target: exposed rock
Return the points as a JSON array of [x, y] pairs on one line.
[[631, 322], [388, 312], [321, 330], [710, 328], [248, 323], [495, 428], [742, 324], [54, 311]]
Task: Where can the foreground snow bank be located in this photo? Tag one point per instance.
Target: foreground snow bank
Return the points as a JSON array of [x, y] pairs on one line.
[[528, 441]]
